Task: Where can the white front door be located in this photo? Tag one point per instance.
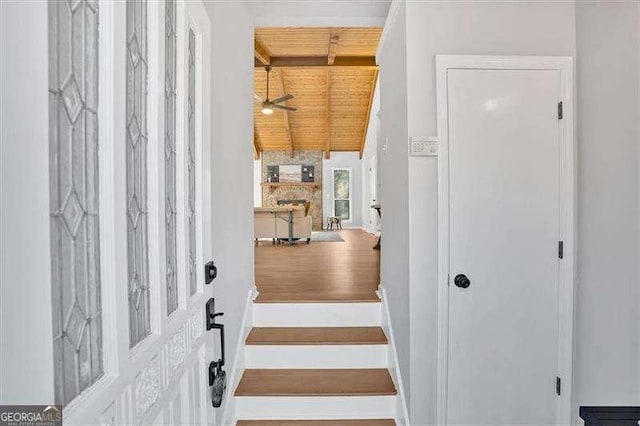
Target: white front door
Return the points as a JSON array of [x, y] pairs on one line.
[[504, 176], [120, 331]]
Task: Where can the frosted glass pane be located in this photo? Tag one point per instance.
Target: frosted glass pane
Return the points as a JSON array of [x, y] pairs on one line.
[[136, 155], [342, 209], [191, 163], [170, 155], [341, 184], [74, 197]]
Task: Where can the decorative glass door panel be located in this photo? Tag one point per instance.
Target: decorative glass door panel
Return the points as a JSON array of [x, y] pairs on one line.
[[130, 209]]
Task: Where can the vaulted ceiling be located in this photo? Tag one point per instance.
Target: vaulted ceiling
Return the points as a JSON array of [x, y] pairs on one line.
[[331, 72]]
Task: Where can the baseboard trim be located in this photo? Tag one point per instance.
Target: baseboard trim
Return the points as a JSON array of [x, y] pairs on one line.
[[402, 413], [229, 411]]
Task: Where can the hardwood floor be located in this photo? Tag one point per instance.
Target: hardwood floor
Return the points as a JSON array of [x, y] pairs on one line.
[[346, 271]]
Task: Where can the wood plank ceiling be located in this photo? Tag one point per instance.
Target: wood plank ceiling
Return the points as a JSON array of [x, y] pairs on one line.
[[331, 72]]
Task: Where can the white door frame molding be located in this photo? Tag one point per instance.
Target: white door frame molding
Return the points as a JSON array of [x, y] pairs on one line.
[[564, 66], [374, 222]]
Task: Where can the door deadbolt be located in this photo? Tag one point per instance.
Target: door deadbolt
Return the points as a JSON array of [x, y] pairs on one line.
[[210, 272]]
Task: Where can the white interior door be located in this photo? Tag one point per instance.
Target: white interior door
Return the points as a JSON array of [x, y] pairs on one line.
[[504, 176], [123, 165]]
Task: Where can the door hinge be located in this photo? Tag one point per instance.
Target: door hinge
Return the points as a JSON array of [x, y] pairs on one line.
[[558, 385], [560, 249], [560, 110], [448, 279]]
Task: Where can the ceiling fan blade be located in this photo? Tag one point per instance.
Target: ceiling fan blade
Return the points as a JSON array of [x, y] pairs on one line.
[[288, 108], [282, 99], [257, 98]]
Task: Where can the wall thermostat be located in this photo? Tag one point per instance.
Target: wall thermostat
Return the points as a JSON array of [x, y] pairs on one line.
[[423, 146]]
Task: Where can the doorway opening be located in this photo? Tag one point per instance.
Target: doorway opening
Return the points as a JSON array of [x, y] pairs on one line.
[[319, 328], [315, 144]]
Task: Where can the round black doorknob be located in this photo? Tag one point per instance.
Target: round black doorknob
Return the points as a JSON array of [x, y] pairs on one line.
[[461, 281]]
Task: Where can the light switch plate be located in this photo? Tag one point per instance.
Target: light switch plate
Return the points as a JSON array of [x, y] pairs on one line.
[[423, 146]]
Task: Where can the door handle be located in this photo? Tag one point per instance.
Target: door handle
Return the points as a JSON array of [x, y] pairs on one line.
[[218, 382], [210, 272], [461, 281], [217, 376], [211, 314]]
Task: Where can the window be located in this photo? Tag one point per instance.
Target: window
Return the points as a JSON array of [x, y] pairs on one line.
[[191, 163], [74, 197], [136, 153], [170, 157], [342, 194]]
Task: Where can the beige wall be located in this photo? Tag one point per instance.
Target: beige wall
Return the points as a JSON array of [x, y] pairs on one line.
[[270, 197]]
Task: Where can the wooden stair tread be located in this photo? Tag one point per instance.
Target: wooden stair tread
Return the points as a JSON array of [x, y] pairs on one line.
[[316, 382], [316, 336], [368, 422], [317, 297]]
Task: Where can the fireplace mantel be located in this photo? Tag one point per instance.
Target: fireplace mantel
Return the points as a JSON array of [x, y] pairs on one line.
[[272, 185]]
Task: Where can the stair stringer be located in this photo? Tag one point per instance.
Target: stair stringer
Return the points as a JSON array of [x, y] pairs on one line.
[[402, 413]]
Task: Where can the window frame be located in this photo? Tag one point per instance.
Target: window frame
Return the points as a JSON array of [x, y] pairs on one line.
[[333, 193]]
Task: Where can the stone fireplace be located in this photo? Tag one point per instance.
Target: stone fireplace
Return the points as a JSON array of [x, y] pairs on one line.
[[275, 195]]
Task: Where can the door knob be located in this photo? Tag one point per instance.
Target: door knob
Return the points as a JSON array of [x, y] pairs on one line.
[[461, 281]]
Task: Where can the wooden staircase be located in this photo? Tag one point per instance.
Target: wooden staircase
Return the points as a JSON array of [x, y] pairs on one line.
[[275, 336], [315, 382], [316, 363]]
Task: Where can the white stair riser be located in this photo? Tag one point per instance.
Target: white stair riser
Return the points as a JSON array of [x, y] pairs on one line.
[[316, 314], [317, 356], [322, 407]]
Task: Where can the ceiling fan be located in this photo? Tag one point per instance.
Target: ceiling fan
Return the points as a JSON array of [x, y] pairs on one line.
[[269, 105]]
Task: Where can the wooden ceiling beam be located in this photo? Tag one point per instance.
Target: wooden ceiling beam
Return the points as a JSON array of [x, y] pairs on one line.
[[327, 147], [287, 123], [261, 53], [334, 39], [370, 105], [363, 62]]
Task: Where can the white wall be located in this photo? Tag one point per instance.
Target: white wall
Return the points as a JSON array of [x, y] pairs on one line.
[[607, 352], [257, 183], [25, 285], [232, 139], [370, 151], [350, 160], [319, 13], [607, 345], [481, 27], [394, 185]]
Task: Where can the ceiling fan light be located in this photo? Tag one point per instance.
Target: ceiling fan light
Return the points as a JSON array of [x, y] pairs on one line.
[[267, 110]]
